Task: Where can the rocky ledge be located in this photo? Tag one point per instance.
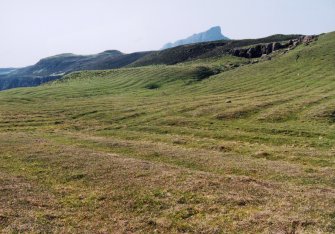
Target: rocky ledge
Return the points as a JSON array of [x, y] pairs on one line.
[[259, 50]]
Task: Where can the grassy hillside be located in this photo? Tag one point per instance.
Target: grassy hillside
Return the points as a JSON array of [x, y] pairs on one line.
[[54, 67], [164, 149], [191, 52]]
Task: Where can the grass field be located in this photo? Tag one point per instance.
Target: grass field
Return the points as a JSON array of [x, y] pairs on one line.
[[156, 150]]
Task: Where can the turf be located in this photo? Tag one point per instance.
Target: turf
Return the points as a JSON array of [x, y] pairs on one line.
[[155, 149]]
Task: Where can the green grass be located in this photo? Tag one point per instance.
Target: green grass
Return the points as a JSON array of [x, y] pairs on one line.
[[249, 149]]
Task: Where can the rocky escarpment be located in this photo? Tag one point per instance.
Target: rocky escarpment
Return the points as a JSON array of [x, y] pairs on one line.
[[259, 50]]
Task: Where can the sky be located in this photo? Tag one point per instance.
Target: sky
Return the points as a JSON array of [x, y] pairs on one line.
[[34, 29]]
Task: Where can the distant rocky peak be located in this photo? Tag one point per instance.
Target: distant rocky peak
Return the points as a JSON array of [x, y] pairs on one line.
[[212, 34], [214, 31]]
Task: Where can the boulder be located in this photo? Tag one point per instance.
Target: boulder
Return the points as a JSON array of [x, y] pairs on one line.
[[243, 53], [255, 52], [308, 39], [235, 52], [268, 48], [263, 49], [295, 43], [251, 52], [258, 51], [276, 46]]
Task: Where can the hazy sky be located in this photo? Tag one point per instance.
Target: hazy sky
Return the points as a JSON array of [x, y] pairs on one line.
[[33, 29]]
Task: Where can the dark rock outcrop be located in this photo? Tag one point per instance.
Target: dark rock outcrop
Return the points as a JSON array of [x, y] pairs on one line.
[[308, 39], [276, 46], [257, 51]]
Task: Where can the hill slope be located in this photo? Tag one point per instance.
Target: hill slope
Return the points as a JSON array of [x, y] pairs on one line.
[[165, 149], [53, 68], [5, 71]]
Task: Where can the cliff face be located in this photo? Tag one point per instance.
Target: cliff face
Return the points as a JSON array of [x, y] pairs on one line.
[[213, 34], [259, 50]]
